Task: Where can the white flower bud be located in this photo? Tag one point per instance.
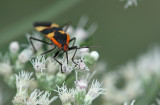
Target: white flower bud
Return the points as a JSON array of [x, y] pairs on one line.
[[14, 47], [25, 55], [95, 55]]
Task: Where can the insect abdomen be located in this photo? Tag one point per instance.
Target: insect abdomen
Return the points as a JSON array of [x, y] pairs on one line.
[[60, 38]]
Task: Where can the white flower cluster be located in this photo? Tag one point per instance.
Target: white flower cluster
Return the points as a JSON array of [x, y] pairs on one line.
[[38, 97], [75, 95], [14, 61], [39, 63], [48, 74], [22, 97], [66, 95], [83, 60], [69, 95], [134, 75], [23, 80], [94, 91]]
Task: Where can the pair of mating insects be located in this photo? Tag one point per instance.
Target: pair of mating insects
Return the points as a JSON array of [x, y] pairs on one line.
[[58, 37]]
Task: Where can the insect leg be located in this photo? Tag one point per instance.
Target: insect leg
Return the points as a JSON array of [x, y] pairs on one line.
[[67, 56], [48, 51], [32, 38], [62, 53], [73, 39], [67, 25], [73, 48], [57, 60]]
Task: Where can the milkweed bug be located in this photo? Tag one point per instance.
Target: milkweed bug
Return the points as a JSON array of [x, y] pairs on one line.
[[58, 37]]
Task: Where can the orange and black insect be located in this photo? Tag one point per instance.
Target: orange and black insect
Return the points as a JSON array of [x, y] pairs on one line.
[[58, 37]]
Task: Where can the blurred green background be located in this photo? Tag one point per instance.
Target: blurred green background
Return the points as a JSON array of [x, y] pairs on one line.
[[122, 33]]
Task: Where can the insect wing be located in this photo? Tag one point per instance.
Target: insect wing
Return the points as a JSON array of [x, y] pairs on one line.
[[45, 27]]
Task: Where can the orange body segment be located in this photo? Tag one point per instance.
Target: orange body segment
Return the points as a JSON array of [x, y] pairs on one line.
[[68, 38], [56, 43]]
